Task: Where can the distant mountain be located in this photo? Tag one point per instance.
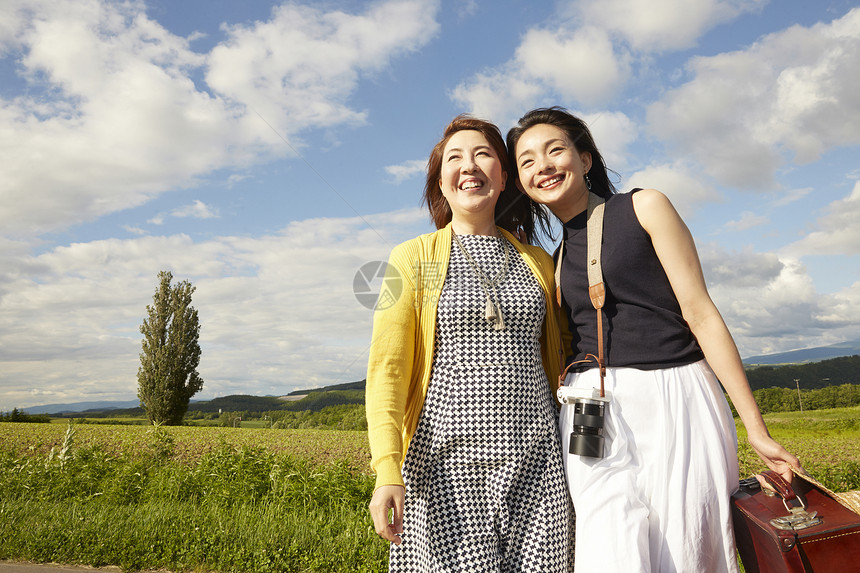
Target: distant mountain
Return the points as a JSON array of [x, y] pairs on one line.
[[81, 407], [802, 356], [336, 394]]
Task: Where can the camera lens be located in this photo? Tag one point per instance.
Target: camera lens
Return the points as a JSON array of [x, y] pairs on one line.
[[586, 439]]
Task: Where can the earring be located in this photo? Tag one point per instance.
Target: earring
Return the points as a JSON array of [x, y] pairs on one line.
[[587, 182]]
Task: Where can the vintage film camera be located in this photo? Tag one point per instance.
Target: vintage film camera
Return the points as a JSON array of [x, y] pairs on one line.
[[589, 409]]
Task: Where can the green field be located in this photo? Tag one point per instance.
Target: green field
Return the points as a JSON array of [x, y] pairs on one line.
[[320, 447], [251, 499], [187, 498], [826, 441]]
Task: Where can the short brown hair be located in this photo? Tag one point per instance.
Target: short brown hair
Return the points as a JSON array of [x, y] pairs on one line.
[[513, 210]]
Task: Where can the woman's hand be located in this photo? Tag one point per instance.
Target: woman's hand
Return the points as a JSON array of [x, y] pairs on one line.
[[774, 455], [385, 498]]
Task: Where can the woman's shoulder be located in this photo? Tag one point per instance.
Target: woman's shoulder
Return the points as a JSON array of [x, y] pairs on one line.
[[412, 248], [648, 198], [641, 200], [653, 209]]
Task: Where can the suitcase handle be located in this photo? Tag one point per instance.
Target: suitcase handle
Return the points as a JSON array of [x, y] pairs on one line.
[[779, 485], [799, 517]]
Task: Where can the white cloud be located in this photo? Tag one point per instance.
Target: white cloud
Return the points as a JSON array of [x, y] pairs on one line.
[[134, 230], [467, 9], [839, 232], [589, 57], [71, 315], [613, 133], [794, 91], [406, 170], [786, 197], [498, 95], [297, 69], [679, 182], [197, 210], [770, 303], [843, 306], [661, 25], [580, 65], [110, 115], [748, 220], [731, 269]]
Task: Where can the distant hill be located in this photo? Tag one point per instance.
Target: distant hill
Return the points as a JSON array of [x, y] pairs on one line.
[[814, 367], [347, 386], [317, 400], [238, 403], [81, 407], [313, 399], [832, 372], [804, 355]]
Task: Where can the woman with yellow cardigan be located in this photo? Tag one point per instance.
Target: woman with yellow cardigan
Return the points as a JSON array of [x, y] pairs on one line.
[[461, 378]]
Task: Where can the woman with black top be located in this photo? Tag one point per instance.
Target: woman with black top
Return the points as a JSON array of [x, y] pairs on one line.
[[659, 498]]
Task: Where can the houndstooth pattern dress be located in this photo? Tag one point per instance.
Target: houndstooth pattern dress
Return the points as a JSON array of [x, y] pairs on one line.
[[485, 485]]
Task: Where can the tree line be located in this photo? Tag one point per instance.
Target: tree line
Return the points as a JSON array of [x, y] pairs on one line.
[[832, 372], [351, 416], [17, 415], [790, 400], [339, 417]]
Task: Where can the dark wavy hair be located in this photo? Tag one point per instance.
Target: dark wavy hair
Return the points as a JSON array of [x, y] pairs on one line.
[[579, 134], [514, 210]]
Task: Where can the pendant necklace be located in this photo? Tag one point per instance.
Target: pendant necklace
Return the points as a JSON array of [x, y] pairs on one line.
[[492, 310]]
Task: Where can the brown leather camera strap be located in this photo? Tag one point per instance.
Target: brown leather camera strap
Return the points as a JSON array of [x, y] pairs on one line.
[[596, 288]]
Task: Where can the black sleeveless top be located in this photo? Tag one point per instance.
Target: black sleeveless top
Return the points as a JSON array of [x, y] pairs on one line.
[[642, 321]]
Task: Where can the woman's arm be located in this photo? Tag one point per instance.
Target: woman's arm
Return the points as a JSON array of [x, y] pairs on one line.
[[389, 372], [677, 253]]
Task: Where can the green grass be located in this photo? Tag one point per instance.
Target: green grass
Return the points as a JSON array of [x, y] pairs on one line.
[[234, 509], [827, 442], [183, 535], [240, 499]]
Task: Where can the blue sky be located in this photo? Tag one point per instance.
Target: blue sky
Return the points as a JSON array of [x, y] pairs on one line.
[[266, 151]]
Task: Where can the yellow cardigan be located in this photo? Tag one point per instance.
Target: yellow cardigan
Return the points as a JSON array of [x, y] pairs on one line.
[[404, 328]]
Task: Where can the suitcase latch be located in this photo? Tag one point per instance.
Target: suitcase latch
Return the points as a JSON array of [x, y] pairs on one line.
[[799, 518]]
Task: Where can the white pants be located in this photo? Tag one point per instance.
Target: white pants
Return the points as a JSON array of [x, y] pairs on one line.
[[659, 499]]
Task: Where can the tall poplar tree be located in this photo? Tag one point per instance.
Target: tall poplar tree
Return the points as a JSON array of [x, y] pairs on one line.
[[167, 377]]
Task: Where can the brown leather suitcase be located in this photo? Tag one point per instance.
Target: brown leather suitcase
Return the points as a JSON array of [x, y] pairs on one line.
[[801, 528]]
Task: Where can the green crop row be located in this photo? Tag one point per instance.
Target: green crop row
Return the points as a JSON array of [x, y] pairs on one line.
[[231, 508]]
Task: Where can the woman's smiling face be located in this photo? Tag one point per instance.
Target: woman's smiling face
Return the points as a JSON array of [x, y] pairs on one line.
[[551, 169], [471, 177]]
